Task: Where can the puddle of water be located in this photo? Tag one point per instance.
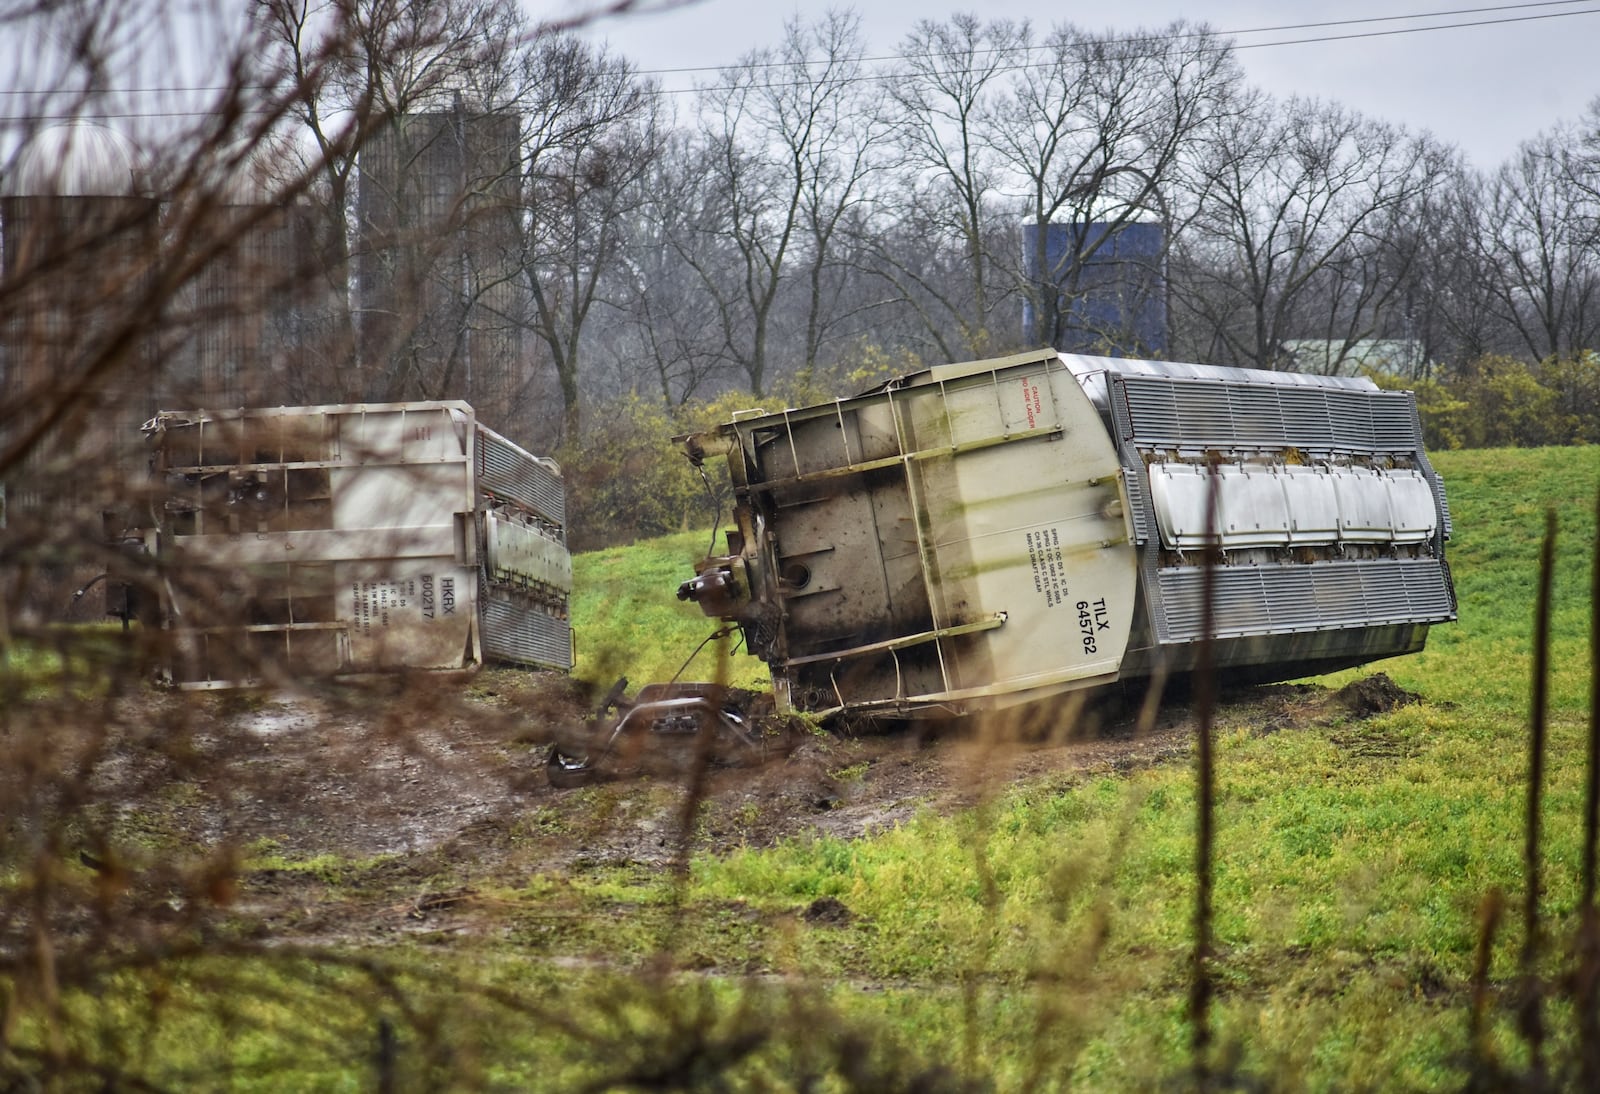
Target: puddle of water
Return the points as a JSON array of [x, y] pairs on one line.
[[283, 715]]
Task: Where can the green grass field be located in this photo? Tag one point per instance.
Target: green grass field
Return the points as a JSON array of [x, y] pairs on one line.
[[628, 621], [1046, 935], [1038, 940]]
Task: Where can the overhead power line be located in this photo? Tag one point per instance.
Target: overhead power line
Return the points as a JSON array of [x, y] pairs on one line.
[[1419, 30], [1223, 41], [1221, 38], [1187, 35]]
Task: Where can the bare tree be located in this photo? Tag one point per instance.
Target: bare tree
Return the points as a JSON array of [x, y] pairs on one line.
[[103, 257], [438, 206], [1541, 237], [591, 137], [787, 150], [837, 164], [1294, 201], [947, 78], [1581, 162], [1444, 306], [659, 290], [109, 252], [1093, 130], [402, 60], [291, 34]]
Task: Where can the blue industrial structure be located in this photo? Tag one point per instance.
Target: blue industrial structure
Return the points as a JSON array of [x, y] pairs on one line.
[[1096, 288]]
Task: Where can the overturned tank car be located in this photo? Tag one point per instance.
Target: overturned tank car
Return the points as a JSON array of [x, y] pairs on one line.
[[334, 540], [996, 532]]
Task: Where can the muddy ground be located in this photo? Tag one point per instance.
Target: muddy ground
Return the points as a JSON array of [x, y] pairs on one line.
[[353, 814]]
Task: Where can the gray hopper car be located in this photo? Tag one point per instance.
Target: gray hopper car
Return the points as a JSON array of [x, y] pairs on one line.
[[353, 539], [982, 534]]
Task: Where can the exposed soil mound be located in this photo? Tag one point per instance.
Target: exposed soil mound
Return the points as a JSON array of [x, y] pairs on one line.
[[828, 911], [1375, 694]]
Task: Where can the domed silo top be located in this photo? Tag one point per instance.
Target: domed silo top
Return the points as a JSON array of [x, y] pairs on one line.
[[78, 159]]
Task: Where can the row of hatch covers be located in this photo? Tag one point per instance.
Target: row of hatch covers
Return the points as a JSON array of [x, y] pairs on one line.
[[1292, 505]]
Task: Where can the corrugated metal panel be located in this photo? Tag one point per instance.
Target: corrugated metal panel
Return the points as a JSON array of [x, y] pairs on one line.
[[1092, 371], [1285, 599], [1256, 414], [1190, 413], [512, 473], [1446, 526], [515, 628], [1137, 505], [1394, 415], [1137, 477], [1305, 413], [524, 634], [1150, 586]]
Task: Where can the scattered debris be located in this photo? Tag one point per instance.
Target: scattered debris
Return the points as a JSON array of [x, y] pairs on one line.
[[437, 902], [664, 728]]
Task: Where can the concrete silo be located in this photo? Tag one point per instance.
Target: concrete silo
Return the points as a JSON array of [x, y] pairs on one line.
[[439, 292], [77, 330], [251, 317]]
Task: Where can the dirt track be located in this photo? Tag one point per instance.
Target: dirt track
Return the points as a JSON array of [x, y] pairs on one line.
[[425, 793]]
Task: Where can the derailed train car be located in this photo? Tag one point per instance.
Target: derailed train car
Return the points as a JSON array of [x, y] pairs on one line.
[[996, 532], [349, 539]]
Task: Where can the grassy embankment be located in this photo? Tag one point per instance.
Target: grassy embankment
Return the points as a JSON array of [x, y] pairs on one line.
[[627, 619], [1351, 859], [1039, 938]]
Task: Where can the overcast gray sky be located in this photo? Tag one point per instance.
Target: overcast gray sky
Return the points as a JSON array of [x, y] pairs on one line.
[[1482, 87]]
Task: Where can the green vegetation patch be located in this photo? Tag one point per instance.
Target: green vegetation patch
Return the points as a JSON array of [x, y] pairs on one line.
[[1038, 938], [1352, 859], [629, 622]]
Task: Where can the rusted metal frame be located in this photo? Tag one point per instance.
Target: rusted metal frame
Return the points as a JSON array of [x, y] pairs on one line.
[[685, 704], [327, 413], [999, 403], [809, 589], [899, 684], [794, 453], [883, 563], [838, 408], [249, 547], [844, 432], [317, 465], [925, 551], [999, 400], [891, 461], [327, 409], [949, 422], [962, 370], [919, 511], [738, 469], [472, 490], [981, 692], [270, 628], [839, 695], [1050, 389], [905, 641]]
